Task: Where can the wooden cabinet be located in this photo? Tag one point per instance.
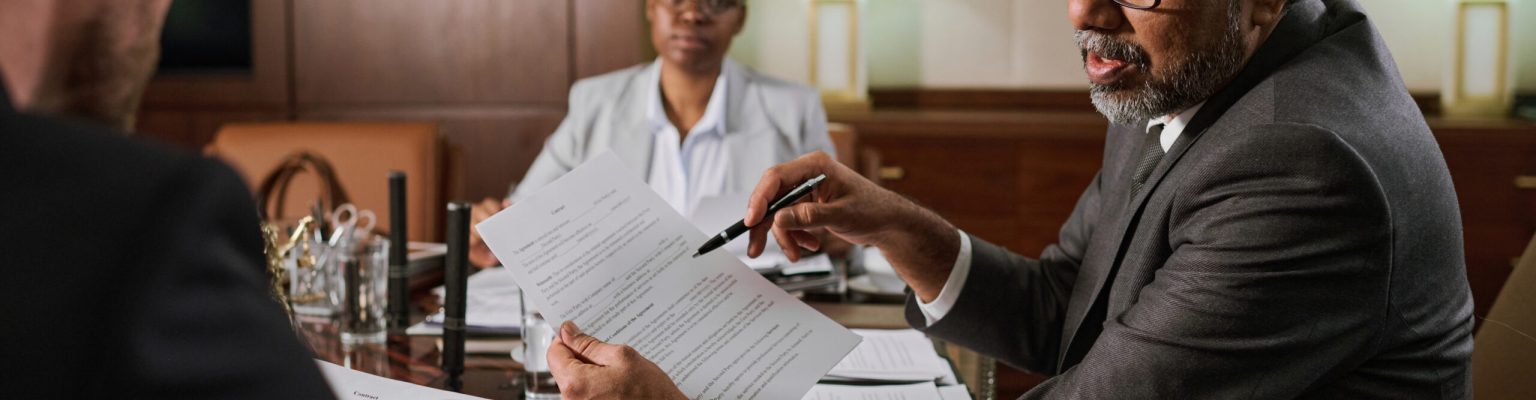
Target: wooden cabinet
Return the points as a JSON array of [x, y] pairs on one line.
[[1491, 164], [1011, 178]]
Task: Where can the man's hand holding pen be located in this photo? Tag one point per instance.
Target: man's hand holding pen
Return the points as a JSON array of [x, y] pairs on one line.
[[921, 245]]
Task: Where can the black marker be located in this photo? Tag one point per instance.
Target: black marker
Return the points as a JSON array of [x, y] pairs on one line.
[[741, 226], [399, 314], [455, 277]]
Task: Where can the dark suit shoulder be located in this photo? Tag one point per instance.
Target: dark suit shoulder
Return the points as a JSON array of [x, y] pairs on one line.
[[86, 160], [158, 248]]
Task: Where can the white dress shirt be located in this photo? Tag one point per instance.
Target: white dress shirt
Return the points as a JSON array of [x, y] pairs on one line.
[[932, 312], [686, 169]]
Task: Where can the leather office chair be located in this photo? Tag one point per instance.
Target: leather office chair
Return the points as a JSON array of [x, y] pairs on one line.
[[846, 139], [363, 154], [850, 153], [1504, 352]]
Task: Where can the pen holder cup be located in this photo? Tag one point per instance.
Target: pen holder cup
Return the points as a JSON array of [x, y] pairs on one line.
[[364, 277], [537, 334], [312, 278]]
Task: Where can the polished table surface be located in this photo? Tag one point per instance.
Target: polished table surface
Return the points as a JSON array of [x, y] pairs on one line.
[[416, 359]]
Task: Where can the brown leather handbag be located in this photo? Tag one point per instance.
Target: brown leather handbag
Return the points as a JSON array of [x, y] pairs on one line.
[[271, 195]]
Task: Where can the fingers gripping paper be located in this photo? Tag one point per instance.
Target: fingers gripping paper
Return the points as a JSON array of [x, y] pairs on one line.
[[598, 247]]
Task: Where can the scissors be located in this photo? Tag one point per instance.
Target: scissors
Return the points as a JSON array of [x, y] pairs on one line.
[[346, 219]]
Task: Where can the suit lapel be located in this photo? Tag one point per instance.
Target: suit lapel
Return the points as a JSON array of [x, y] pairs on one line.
[[1295, 33], [745, 112]]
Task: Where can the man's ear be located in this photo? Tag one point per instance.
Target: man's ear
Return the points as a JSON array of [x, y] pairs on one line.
[[1266, 13], [650, 11]]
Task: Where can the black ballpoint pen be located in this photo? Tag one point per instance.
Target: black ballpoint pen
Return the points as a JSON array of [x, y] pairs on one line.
[[741, 226]]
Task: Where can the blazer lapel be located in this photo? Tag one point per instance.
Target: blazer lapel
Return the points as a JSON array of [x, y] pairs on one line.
[[1290, 37], [631, 134], [745, 112]]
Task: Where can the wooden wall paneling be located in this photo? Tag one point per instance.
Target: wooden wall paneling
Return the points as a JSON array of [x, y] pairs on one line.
[[185, 110], [494, 146], [1010, 178], [192, 129], [267, 86], [609, 35], [980, 99], [392, 52], [173, 127], [205, 125], [1053, 175]]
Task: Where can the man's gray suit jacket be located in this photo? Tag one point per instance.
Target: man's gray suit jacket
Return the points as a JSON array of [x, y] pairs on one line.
[[1301, 239]]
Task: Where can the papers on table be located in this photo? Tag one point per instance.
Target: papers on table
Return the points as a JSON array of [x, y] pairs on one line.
[[902, 355], [956, 392], [492, 306], [890, 365], [915, 391], [349, 384], [714, 213], [600, 248]]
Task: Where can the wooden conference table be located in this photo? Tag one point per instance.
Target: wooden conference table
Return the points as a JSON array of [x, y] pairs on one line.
[[416, 359]]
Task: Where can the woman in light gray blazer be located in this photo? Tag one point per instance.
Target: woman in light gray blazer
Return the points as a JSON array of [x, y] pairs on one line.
[[693, 124]]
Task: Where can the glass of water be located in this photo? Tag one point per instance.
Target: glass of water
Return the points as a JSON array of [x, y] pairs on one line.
[[364, 276], [538, 334]]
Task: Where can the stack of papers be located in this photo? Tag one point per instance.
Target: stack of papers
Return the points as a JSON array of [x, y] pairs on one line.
[[892, 356], [714, 213], [493, 306], [351, 384], [915, 391], [890, 365]]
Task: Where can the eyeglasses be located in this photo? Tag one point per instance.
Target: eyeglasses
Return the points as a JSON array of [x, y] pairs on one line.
[[711, 7], [1139, 4]]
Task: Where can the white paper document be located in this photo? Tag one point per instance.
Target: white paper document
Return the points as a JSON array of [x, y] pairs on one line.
[[350, 384], [956, 392], [917, 391], [491, 301], [901, 355], [598, 247]]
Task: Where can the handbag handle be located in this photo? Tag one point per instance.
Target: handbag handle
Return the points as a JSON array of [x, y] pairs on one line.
[[274, 188]]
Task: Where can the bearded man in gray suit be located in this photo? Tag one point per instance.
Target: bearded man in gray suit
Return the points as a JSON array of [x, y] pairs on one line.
[[1273, 219]]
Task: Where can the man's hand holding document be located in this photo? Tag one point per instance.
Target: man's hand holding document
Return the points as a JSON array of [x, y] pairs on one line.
[[597, 247]]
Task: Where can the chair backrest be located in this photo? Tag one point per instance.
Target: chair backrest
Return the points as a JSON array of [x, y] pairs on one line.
[[1504, 352], [363, 154], [846, 139]]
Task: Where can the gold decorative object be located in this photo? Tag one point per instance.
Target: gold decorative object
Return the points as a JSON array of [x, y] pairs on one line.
[[277, 253]]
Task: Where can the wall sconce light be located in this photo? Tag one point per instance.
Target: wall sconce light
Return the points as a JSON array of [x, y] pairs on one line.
[[1478, 81], [838, 64]]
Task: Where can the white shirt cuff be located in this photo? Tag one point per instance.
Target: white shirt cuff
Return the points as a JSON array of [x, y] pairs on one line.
[[932, 312]]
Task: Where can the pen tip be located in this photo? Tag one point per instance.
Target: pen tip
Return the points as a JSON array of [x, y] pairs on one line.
[[696, 255]]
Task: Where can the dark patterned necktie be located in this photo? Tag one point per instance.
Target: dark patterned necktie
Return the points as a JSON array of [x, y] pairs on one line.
[[1151, 154]]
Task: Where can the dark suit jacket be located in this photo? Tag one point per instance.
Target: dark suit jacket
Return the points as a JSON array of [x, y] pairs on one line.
[[1300, 239], [131, 271]]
